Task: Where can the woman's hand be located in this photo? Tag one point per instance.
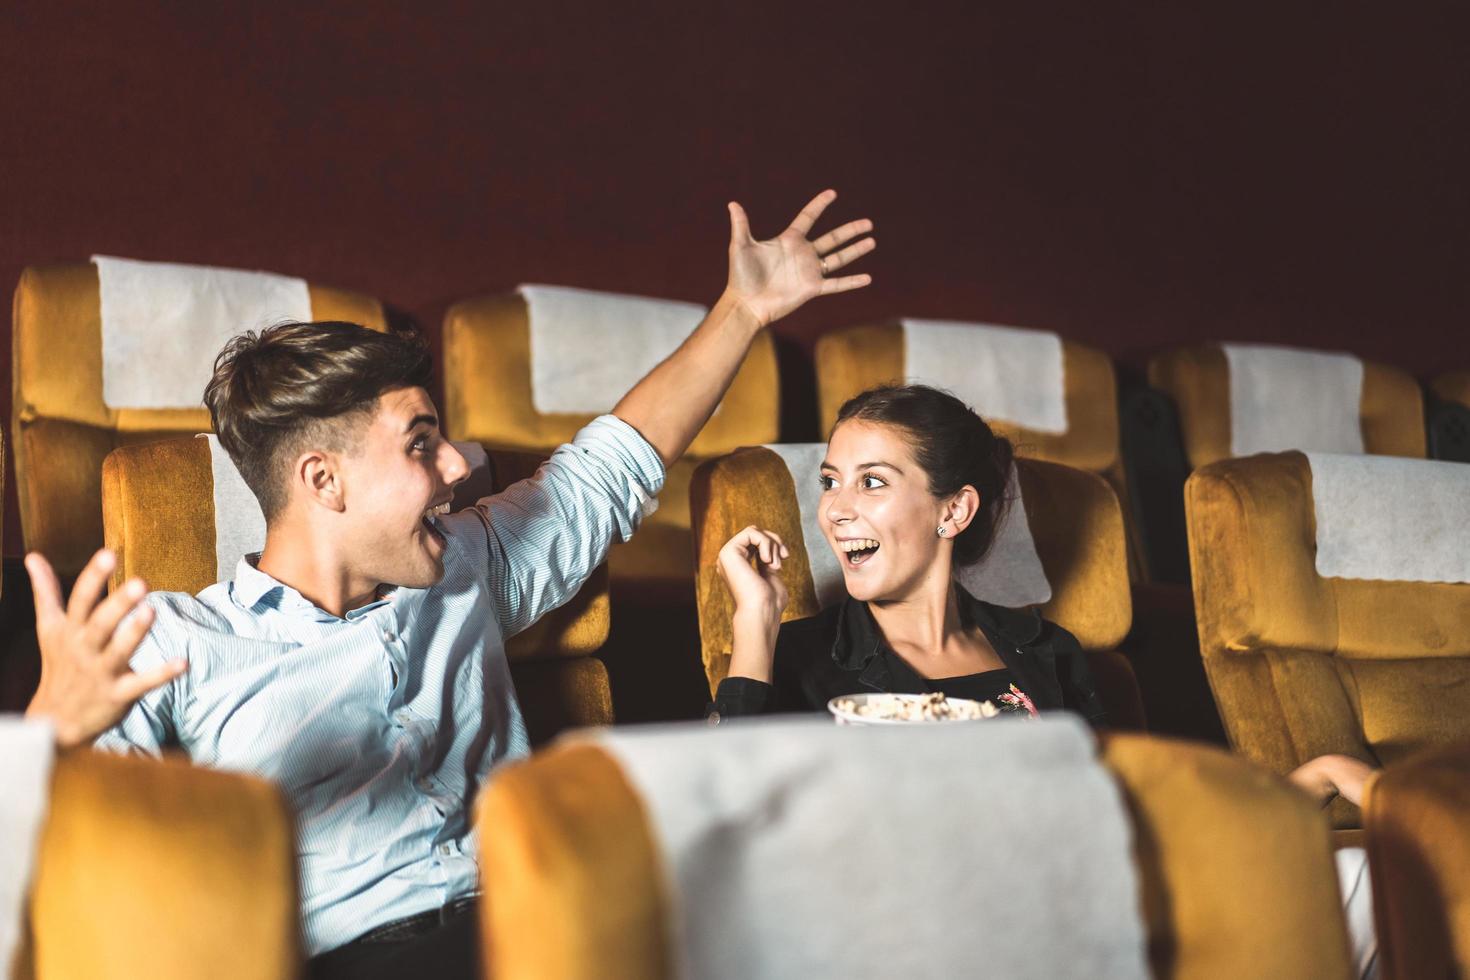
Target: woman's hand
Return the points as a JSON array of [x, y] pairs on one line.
[[772, 278], [1329, 776], [86, 684], [749, 563]]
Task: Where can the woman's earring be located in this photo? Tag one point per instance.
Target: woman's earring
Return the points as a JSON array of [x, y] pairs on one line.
[[940, 530]]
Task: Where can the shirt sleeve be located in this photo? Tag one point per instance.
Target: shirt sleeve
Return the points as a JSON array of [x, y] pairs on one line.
[[548, 533], [149, 726]]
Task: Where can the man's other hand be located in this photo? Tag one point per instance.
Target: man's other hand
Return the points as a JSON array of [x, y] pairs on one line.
[[86, 684], [773, 278]]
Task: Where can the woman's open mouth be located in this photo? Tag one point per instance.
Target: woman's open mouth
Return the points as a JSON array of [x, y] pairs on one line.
[[858, 550]]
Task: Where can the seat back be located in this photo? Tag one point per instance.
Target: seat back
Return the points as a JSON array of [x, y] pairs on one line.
[[63, 426], [507, 383], [1417, 821], [178, 515], [853, 360], [159, 869], [1386, 410], [1315, 635], [1069, 520], [1234, 869]]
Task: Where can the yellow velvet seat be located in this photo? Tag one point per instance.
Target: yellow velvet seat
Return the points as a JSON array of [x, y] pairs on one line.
[[158, 509], [63, 428], [1198, 380], [162, 870], [1235, 869], [851, 361], [1417, 818], [1302, 664], [488, 399], [1074, 520]]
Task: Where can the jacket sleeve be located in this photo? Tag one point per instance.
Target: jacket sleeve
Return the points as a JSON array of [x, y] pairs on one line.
[[744, 696], [1079, 691]]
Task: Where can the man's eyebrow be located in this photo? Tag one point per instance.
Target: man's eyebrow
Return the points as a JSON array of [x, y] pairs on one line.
[[432, 421]]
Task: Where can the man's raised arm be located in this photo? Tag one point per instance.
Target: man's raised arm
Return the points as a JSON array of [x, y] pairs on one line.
[[768, 280]]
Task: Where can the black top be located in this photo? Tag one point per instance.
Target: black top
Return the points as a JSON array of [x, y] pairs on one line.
[[988, 685], [841, 651]]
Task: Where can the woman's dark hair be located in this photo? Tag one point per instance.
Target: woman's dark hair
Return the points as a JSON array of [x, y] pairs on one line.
[[953, 445], [276, 390]]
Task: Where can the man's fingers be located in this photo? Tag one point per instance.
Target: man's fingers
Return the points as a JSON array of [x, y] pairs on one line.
[[809, 214], [854, 251], [739, 225], [125, 639], [44, 586], [110, 611], [845, 283], [131, 687], [838, 236], [89, 586]]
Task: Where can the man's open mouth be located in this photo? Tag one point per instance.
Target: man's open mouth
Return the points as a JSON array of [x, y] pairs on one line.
[[431, 522], [858, 550]]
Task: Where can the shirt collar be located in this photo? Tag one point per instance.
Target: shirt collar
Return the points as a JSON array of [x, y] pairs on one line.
[[252, 588], [859, 640]]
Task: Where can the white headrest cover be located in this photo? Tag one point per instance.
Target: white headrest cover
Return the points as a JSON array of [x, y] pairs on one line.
[[1010, 574], [804, 849], [1391, 519], [163, 325], [27, 749], [1282, 399], [1002, 373], [589, 348]]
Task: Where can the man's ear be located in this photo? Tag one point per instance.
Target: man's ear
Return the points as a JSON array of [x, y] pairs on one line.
[[962, 508], [317, 478]]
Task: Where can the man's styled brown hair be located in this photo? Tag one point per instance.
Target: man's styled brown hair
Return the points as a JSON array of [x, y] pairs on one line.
[[275, 391]]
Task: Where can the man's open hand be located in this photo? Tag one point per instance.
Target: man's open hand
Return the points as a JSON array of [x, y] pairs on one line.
[[86, 684], [772, 278]]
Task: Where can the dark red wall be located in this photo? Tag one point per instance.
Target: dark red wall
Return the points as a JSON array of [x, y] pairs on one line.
[[1133, 179]]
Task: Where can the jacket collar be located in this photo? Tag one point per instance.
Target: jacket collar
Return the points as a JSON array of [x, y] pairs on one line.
[[859, 644]]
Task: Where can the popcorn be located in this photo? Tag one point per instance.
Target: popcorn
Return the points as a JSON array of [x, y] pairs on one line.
[[912, 708]]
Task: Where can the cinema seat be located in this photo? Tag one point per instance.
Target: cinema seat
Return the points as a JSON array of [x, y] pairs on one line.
[[489, 399], [1072, 517], [158, 505], [161, 870], [1390, 407], [1417, 818], [62, 426], [1307, 656], [1449, 417], [852, 360], [1234, 869]]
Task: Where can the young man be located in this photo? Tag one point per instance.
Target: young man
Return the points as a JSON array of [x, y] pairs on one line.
[[359, 660]]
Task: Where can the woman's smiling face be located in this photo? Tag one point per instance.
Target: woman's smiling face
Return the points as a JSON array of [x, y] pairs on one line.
[[878, 514]]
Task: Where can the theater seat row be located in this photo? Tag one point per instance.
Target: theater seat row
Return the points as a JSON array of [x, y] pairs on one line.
[[160, 869]]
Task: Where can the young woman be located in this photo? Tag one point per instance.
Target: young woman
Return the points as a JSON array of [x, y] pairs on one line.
[[913, 485]]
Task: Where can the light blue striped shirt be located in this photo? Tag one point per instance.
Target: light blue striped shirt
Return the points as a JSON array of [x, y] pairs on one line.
[[382, 726]]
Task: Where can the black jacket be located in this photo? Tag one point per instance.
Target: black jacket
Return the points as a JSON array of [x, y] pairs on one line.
[[841, 651]]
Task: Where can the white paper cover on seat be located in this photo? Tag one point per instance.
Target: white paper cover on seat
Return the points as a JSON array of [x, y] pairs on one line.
[[163, 324], [1391, 519], [1282, 398], [1005, 373], [589, 348], [798, 848], [239, 524], [27, 749], [1010, 574]]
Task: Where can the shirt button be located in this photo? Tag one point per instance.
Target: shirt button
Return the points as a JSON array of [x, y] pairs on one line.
[[402, 717], [388, 636], [445, 850], [423, 784]]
